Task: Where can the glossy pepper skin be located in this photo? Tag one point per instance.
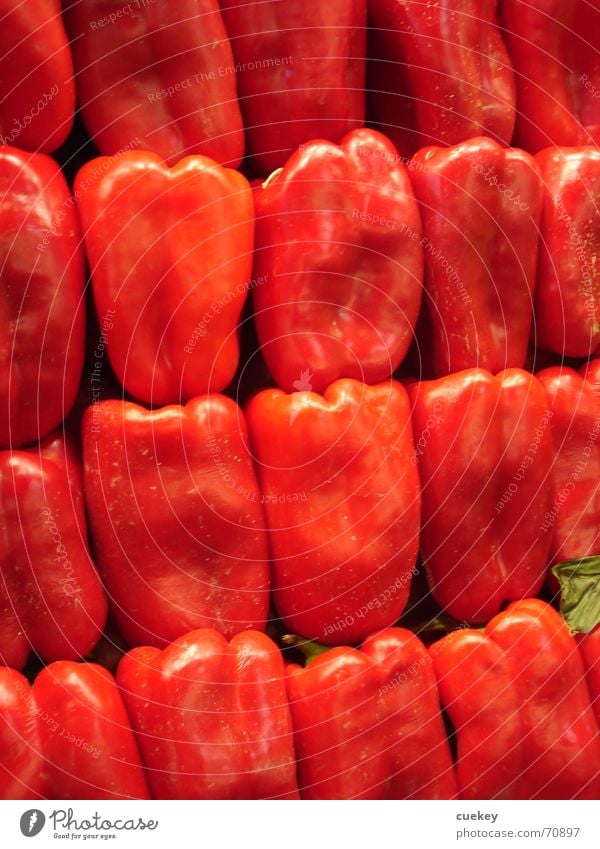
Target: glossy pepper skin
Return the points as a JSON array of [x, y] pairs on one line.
[[589, 648], [567, 297], [481, 207], [170, 252], [342, 503], [554, 49], [591, 372], [67, 737], [368, 723], [42, 310], [51, 598], [439, 73], [484, 450], [176, 518], [36, 69], [20, 755], [572, 521], [517, 697], [300, 72], [212, 717], [156, 76], [338, 263]]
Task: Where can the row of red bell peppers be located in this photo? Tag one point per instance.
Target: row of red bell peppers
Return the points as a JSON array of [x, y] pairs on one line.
[[184, 78], [198, 512], [347, 252], [209, 719]]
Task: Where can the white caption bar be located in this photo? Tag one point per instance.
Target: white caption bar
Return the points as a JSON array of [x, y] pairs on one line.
[[296, 825]]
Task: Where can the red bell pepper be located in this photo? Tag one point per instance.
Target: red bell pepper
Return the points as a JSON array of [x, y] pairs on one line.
[[176, 518], [553, 45], [51, 599], [42, 307], [517, 697], [36, 68], [20, 755], [484, 449], [212, 717], [368, 724], [171, 255], [567, 297], [439, 72], [589, 647], [342, 502], [300, 72], [572, 521], [339, 263], [591, 372], [67, 737], [157, 76], [481, 207]]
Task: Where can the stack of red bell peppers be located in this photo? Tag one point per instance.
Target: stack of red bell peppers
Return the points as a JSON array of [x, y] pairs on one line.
[[286, 497]]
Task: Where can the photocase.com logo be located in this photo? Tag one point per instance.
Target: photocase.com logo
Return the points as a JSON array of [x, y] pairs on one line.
[[32, 822], [303, 384]]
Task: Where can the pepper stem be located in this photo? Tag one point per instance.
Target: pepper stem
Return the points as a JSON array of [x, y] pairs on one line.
[[309, 648], [272, 176]]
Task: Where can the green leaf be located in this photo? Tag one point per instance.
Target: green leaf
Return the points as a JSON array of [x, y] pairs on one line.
[[579, 592]]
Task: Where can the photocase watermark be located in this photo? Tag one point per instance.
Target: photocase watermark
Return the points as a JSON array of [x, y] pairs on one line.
[[106, 325], [587, 273], [220, 72], [589, 85], [434, 419], [32, 822], [449, 270], [103, 165], [372, 218], [281, 498], [404, 676], [68, 583], [55, 726], [559, 500], [115, 16], [301, 384], [199, 332], [513, 487], [250, 494], [401, 678], [425, 243], [65, 819], [375, 603], [577, 470], [392, 158], [491, 178], [22, 123]]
